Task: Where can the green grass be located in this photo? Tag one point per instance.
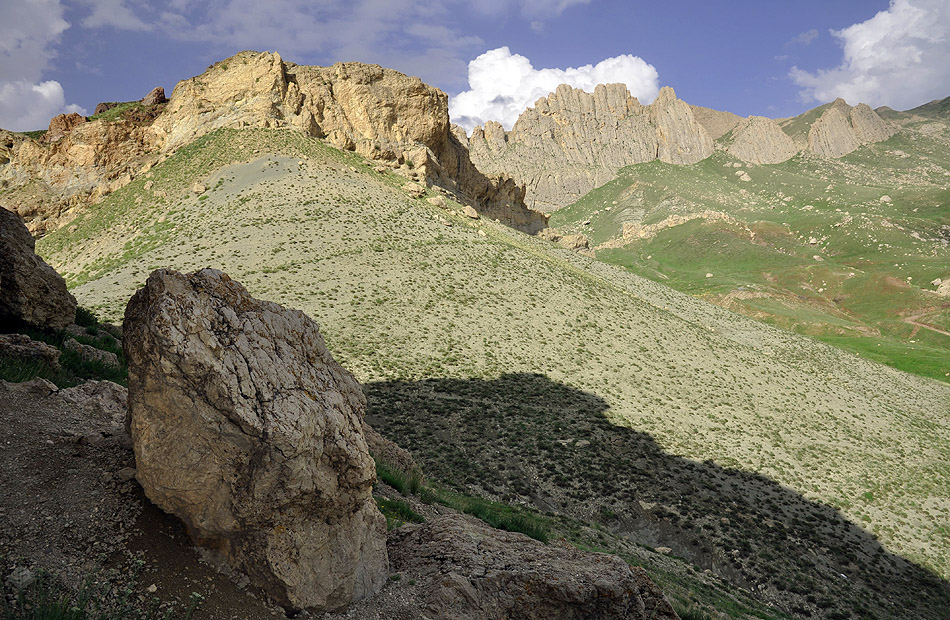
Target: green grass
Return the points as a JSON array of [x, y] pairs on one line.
[[47, 598], [116, 113], [405, 483], [36, 135], [397, 512]]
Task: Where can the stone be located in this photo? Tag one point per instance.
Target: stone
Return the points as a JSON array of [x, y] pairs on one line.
[[104, 107], [841, 129], [760, 140], [31, 291], [102, 397], [437, 201], [198, 188], [22, 347], [574, 242], [571, 141], [247, 429], [62, 124], [386, 451], [90, 353], [469, 211], [470, 571], [155, 96], [414, 190]]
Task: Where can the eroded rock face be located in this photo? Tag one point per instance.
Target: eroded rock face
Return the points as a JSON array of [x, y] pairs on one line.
[[30, 290], [759, 140], [571, 141], [473, 571], [841, 129], [380, 113], [247, 429]]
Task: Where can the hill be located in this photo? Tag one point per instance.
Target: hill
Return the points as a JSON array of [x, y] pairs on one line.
[[518, 371], [849, 250]]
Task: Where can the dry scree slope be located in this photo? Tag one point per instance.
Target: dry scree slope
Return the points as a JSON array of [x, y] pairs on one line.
[[407, 291]]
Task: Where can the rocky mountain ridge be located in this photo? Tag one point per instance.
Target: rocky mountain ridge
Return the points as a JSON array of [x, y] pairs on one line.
[[571, 141], [382, 114]]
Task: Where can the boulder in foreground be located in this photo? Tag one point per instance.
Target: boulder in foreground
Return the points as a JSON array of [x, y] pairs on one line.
[[31, 291], [250, 432]]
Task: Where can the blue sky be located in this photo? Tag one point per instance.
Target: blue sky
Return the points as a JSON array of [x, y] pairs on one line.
[[773, 58]]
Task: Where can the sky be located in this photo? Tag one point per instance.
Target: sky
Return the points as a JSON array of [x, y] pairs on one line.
[[494, 58]]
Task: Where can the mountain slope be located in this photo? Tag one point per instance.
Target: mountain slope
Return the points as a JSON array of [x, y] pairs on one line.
[[848, 250], [407, 291]]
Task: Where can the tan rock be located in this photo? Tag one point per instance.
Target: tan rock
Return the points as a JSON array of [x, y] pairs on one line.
[[30, 290], [437, 201], [571, 141], [22, 347], [716, 123], [470, 571], [246, 428], [759, 140], [414, 190], [155, 96], [841, 129], [469, 211], [60, 125]]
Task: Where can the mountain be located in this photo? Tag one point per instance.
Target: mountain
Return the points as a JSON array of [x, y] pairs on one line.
[[571, 142], [53, 178], [807, 481]]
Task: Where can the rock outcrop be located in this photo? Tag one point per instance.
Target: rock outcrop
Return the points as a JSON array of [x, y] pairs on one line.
[[716, 123], [759, 140], [380, 113], [841, 129], [250, 432], [472, 571], [155, 96], [22, 347], [31, 291], [571, 141], [60, 125]]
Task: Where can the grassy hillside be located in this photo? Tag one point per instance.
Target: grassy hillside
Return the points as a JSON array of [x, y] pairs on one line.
[[842, 250], [798, 473]]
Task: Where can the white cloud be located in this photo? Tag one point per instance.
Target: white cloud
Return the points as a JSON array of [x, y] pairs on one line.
[[29, 30], [897, 58], [805, 38], [26, 106], [112, 13], [502, 85]]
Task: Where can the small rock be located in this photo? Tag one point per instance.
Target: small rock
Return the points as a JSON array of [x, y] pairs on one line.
[[90, 353], [125, 474], [155, 96], [21, 578], [709, 275], [470, 211], [198, 188], [414, 190], [380, 169], [664, 550], [437, 201]]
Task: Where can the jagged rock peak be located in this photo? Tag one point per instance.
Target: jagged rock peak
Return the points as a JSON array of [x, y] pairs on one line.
[[572, 141], [759, 140], [841, 129]]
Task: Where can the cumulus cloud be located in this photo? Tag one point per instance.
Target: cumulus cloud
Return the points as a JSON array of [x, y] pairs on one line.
[[897, 58], [113, 13], [26, 106], [805, 38], [29, 30], [502, 85]]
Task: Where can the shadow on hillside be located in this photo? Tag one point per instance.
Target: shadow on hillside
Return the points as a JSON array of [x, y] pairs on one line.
[[525, 437]]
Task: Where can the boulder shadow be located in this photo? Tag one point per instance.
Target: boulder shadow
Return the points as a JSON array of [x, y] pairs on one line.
[[525, 438]]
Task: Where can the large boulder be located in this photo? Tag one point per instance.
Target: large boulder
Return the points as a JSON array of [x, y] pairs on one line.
[[469, 570], [250, 432], [31, 291]]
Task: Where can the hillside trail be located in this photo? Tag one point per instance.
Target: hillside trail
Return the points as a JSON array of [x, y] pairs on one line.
[[913, 320]]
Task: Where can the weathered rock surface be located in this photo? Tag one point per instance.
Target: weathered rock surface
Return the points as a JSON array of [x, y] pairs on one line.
[[30, 290], [246, 428], [572, 141], [23, 347], [90, 353], [759, 140], [62, 124], [155, 96], [841, 129], [380, 113], [570, 242], [472, 571], [716, 123]]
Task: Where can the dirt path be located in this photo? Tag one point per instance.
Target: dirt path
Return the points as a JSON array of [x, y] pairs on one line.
[[913, 320]]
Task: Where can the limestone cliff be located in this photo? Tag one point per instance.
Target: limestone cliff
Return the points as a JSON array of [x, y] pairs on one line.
[[380, 113], [759, 140], [571, 141], [716, 123], [841, 129]]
